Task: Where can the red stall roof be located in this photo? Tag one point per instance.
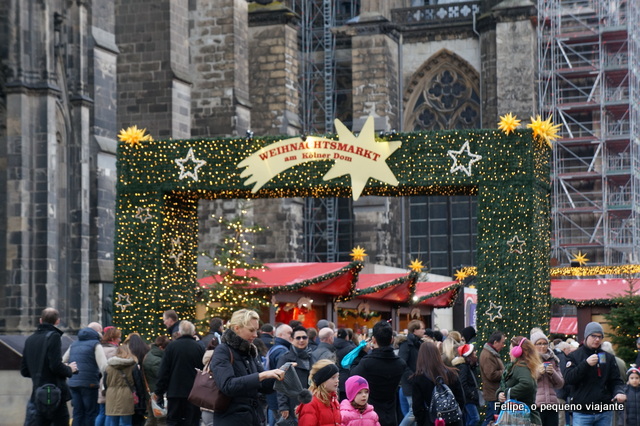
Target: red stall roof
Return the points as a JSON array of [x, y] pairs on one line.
[[334, 278], [582, 290], [387, 287], [564, 325], [436, 294]]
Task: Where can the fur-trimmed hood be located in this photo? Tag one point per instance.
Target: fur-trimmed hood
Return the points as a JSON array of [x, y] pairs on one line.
[[119, 363], [239, 344], [457, 361]]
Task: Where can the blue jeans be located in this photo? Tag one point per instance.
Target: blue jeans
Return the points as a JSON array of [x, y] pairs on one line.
[[101, 418], [85, 405], [473, 417], [493, 407], [596, 419], [409, 418], [119, 420]]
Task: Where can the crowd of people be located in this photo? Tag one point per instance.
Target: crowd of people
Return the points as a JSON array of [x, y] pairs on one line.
[[287, 375]]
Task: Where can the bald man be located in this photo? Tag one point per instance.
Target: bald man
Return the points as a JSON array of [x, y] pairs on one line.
[[325, 349]]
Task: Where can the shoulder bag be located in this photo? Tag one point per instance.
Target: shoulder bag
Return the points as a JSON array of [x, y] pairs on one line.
[[205, 392]]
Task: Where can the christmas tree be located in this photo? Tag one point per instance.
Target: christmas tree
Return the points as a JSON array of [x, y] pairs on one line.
[[624, 318], [234, 270]]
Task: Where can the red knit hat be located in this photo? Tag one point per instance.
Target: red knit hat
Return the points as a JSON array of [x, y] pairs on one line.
[[465, 350]]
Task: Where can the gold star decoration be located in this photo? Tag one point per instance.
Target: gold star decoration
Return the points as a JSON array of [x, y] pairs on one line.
[[176, 252], [544, 130], [460, 275], [473, 158], [494, 312], [181, 162], [124, 301], [416, 265], [361, 168], [581, 258], [516, 245], [358, 254], [134, 136], [143, 214], [508, 123]]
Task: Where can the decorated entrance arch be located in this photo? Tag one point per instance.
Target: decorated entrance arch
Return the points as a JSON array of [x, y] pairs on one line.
[[160, 183]]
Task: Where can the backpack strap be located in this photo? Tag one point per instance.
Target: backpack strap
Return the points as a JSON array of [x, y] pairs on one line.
[[43, 358]]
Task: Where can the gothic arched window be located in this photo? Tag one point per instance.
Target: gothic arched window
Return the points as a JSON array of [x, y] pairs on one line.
[[443, 94]]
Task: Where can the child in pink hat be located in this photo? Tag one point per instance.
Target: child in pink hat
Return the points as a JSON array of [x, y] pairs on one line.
[[355, 410]]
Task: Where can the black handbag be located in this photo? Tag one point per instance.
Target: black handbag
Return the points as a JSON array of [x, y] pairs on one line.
[[205, 392], [47, 397]]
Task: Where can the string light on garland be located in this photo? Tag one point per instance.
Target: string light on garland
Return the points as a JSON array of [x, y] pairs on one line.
[[508, 123], [473, 158], [124, 301], [580, 259], [358, 254], [494, 312], [516, 245]]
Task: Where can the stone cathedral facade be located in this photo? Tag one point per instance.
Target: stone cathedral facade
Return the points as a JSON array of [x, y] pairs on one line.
[[74, 72]]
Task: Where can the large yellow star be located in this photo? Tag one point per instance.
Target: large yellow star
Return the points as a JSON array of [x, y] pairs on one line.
[[460, 275], [416, 265], [363, 167], [133, 136], [358, 254], [581, 258], [508, 123], [544, 130]]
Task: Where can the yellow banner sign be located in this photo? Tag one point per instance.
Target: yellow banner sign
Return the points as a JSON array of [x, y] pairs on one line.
[[360, 157]]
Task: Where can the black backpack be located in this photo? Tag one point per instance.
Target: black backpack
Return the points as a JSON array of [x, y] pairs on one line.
[[443, 404]]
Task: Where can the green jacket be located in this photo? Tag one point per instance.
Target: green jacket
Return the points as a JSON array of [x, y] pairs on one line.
[[151, 366], [518, 384]]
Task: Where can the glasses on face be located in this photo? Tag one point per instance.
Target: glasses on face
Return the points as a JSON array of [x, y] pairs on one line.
[[301, 337], [597, 336], [542, 344]]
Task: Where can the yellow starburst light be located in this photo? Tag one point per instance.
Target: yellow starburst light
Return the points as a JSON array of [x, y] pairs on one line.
[[358, 254], [134, 136], [416, 265], [544, 130], [460, 275], [581, 258], [508, 123]]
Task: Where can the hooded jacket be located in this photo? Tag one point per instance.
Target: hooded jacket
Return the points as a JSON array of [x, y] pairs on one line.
[[118, 394], [598, 384], [83, 352], [316, 413]]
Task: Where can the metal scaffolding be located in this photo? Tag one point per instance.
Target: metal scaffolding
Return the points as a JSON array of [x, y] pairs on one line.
[[588, 81], [327, 221]]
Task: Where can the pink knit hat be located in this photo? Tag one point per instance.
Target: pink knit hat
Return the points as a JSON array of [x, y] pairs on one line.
[[353, 385]]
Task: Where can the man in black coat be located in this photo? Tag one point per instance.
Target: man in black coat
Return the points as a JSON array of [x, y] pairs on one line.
[[594, 378], [343, 345], [42, 353], [408, 352], [170, 320], [177, 374], [383, 369]]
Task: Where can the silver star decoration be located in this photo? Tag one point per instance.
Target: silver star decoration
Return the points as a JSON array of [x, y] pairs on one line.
[[176, 251], [473, 158], [494, 315], [516, 245], [123, 302], [189, 158], [143, 214]]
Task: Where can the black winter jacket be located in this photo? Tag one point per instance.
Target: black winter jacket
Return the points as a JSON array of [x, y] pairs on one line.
[[631, 414], [383, 370], [53, 371], [467, 376], [178, 367], [598, 384], [408, 351], [239, 380]]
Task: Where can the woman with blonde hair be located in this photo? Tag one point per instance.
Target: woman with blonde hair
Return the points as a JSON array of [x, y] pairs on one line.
[[324, 409], [519, 380], [239, 373]]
